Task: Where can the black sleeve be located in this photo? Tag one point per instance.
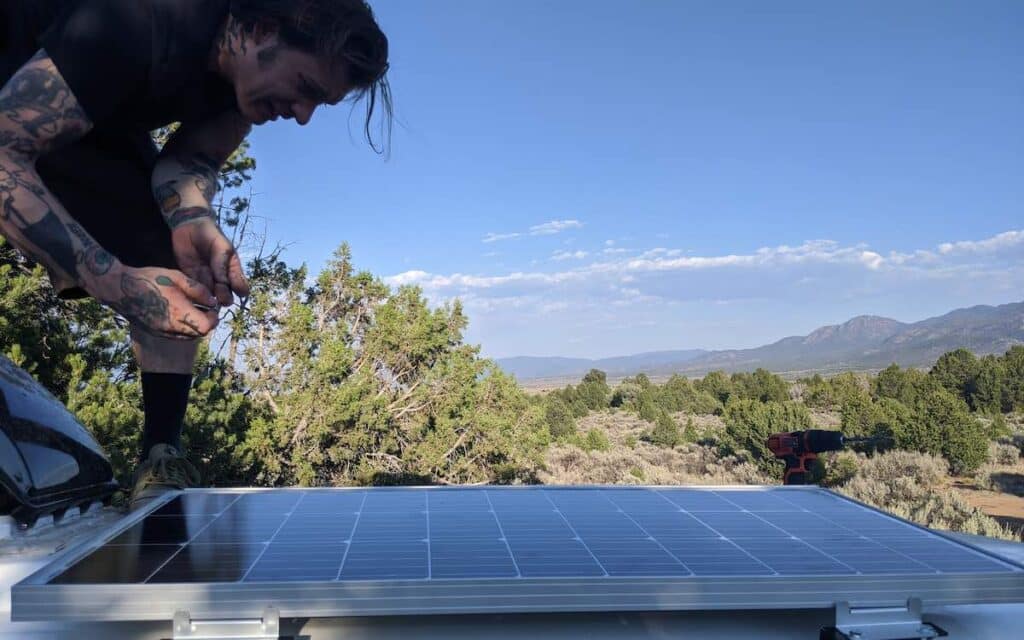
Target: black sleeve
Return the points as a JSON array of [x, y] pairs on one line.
[[104, 50]]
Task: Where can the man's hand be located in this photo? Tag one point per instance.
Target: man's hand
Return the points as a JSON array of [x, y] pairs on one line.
[[206, 255], [161, 301]]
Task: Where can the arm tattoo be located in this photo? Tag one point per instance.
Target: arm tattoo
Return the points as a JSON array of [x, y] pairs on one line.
[[142, 301], [198, 170], [167, 197], [40, 102], [188, 214], [51, 236], [95, 258]]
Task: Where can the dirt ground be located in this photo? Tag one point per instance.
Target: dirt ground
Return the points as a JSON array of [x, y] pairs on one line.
[[1006, 508]]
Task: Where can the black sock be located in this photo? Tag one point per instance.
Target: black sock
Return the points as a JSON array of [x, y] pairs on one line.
[[164, 398]]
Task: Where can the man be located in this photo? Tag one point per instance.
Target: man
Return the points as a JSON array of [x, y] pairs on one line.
[[84, 191]]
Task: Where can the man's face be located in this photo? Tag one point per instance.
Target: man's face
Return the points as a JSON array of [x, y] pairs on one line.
[[274, 81]]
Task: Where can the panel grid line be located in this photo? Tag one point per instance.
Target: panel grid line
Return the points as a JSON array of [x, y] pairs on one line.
[[908, 525], [352, 535], [800, 540], [519, 574], [571, 528], [646, 533], [874, 540], [719, 533], [426, 507], [189, 541], [267, 544]]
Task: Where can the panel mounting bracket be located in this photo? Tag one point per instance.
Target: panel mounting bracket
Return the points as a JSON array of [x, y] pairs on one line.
[[881, 623], [267, 627]]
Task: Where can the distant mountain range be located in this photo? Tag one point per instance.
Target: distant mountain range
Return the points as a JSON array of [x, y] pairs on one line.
[[862, 343]]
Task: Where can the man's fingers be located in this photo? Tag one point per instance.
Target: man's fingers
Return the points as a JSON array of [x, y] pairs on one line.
[[223, 293], [194, 290], [237, 277], [205, 276], [220, 263]]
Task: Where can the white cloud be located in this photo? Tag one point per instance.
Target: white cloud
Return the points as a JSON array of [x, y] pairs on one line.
[[554, 226], [492, 237], [787, 264], [569, 255], [609, 243], [545, 229], [1005, 240]]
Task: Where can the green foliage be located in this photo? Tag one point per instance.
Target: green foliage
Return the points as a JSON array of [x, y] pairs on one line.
[[690, 433], [841, 469], [596, 440], [955, 372], [677, 394], [665, 432], [964, 442], [817, 392], [904, 385], [762, 385], [998, 428], [560, 419], [717, 384], [988, 391], [748, 423]]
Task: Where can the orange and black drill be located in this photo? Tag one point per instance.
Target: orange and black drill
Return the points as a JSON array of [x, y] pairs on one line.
[[800, 449]]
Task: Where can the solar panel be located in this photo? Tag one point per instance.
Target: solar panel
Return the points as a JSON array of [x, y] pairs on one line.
[[320, 552]]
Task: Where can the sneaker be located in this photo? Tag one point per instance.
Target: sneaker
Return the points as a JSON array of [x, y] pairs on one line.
[[164, 470]]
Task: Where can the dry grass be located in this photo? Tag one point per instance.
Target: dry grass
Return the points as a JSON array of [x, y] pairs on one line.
[[631, 461], [647, 464], [825, 419], [915, 486]]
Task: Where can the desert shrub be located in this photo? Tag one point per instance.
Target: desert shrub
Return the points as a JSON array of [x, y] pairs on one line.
[[677, 394], [561, 422], [998, 428], [912, 486], [648, 464], [904, 385], [748, 423], [761, 385], [706, 404], [625, 394], [964, 441], [630, 442], [1004, 454], [596, 440], [665, 432], [841, 468], [717, 384], [593, 390], [690, 431]]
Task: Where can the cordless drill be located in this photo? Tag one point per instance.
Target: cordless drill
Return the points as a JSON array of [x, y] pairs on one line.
[[799, 449]]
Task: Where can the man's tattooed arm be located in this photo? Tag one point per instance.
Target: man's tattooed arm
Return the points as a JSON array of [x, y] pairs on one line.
[[39, 113], [186, 174]]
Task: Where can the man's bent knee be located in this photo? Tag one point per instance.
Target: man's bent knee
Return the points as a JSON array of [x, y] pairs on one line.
[[163, 355]]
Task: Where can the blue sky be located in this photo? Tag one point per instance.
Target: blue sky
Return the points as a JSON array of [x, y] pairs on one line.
[[600, 178]]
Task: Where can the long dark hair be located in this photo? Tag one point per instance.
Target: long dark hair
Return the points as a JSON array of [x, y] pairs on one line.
[[341, 31]]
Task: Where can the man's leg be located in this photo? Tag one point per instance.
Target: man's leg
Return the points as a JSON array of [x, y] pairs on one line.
[[166, 366]]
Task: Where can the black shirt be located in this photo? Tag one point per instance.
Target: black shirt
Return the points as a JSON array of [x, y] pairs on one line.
[[133, 65]]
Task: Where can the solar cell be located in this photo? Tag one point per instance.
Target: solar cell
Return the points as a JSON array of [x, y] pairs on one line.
[[518, 538]]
